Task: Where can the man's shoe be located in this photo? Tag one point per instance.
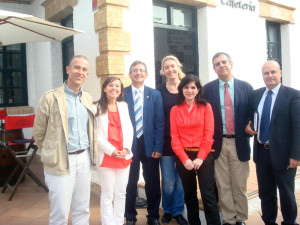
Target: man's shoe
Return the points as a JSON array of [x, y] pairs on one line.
[[153, 222], [240, 223], [166, 218], [130, 222], [180, 220]]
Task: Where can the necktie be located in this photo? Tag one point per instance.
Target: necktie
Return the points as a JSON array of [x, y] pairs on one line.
[[138, 114], [229, 119], [265, 119]]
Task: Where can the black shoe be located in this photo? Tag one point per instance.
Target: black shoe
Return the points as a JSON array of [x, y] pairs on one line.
[[153, 222], [130, 222], [166, 218], [180, 220], [240, 223]]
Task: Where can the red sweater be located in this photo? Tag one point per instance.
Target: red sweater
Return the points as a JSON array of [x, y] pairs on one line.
[[192, 129]]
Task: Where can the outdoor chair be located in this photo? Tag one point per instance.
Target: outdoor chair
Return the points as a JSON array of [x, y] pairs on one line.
[[23, 158]]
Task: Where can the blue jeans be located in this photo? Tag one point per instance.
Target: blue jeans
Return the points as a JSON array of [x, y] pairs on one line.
[[172, 190]]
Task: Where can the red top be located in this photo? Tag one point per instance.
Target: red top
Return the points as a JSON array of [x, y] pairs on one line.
[[115, 137], [192, 129]]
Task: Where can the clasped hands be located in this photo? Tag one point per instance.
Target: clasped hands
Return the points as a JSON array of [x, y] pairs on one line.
[[195, 164], [119, 154]]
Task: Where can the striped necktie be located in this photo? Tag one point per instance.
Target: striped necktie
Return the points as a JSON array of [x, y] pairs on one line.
[[138, 114]]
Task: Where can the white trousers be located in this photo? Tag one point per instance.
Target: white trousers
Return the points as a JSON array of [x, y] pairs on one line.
[[71, 189], [113, 193]]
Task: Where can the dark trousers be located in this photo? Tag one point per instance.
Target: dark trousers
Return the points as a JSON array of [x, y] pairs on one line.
[[206, 182], [269, 179], [152, 183]]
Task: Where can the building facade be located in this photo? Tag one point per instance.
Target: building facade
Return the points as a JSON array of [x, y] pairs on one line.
[[117, 32]]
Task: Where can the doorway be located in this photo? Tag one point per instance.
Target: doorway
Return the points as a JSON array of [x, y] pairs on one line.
[[175, 34]]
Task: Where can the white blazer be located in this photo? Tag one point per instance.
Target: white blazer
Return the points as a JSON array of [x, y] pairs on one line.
[[102, 123]]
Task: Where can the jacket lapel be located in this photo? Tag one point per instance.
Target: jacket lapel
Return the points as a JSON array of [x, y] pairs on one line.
[[280, 98], [216, 96], [62, 105]]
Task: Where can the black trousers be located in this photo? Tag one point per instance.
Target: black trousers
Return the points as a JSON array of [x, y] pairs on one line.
[[206, 182], [152, 183], [269, 179]]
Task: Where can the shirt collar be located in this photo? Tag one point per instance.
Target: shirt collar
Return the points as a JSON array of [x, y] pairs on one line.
[[71, 92], [230, 83], [274, 90], [141, 89]]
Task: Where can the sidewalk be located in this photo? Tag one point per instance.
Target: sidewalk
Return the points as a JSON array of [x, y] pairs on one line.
[[30, 205]]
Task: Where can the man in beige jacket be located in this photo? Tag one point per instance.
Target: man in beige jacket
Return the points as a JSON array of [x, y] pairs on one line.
[[65, 135]]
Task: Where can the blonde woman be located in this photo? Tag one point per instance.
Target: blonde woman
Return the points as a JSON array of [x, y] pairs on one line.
[[172, 190], [115, 134]]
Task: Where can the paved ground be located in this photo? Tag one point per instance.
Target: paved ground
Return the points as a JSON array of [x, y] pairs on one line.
[[30, 205]]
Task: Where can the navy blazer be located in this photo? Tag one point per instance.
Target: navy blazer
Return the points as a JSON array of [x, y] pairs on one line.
[[153, 120], [284, 131], [242, 91]]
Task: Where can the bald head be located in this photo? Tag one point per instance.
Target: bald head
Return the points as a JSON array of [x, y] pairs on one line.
[[271, 74]]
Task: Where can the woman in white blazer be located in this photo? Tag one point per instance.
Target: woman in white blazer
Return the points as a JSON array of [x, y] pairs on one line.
[[115, 134]]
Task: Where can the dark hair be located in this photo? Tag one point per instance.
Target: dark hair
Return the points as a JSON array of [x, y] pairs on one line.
[[102, 103], [77, 57], [137, 62], [186, 80], [219, 54]]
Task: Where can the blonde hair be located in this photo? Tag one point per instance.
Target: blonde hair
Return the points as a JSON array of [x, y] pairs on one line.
[[181, 75]]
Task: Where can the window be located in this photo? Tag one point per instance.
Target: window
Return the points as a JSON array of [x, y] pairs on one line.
[[273, 41], [67, 46], [13, 75]]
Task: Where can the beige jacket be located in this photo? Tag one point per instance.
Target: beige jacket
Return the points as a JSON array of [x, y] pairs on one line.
[[50, 130]]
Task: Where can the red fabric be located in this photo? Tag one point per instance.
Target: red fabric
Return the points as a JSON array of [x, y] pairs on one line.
[[192, 129], [2, 114], [115, 137], [19, 122], [229, 119]]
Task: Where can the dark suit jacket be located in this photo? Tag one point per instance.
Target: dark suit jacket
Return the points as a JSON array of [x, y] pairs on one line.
[[284, 128], [242, 91], [153, 120]]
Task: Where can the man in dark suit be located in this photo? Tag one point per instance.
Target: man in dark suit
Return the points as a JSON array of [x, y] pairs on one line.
[[147, 117], [276, 144], [229, 97]]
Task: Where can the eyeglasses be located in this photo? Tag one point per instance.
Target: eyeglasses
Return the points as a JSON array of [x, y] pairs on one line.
[[138, 70]]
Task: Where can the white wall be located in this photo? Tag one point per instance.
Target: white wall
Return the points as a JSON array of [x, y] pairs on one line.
[[87, 44], [240, 33], [290, 36], [138, 20]]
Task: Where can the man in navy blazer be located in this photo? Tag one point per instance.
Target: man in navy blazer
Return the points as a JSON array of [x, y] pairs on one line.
[[278, 155], [148, 147], [231, 150]]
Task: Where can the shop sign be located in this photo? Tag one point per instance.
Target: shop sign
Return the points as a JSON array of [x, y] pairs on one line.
[[239, 5], [95, 5]]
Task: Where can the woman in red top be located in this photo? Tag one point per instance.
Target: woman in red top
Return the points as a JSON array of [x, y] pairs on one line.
[[115, 134], [192, 129]]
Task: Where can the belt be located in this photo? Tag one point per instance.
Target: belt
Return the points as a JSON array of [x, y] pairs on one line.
[[77, 152], [228, 135], [265, 146], [192, 149]]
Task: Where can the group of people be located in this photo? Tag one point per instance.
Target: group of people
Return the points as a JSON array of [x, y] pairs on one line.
[[194, 134]]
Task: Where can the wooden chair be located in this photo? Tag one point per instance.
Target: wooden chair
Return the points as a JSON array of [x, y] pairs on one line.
[[14, 123]]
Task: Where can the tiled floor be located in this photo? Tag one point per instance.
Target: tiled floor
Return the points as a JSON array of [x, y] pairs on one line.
[[30, 204]]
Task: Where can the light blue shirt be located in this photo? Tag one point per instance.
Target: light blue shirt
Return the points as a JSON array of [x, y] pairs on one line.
[[261, 105], [77, 121], [221, 91]]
